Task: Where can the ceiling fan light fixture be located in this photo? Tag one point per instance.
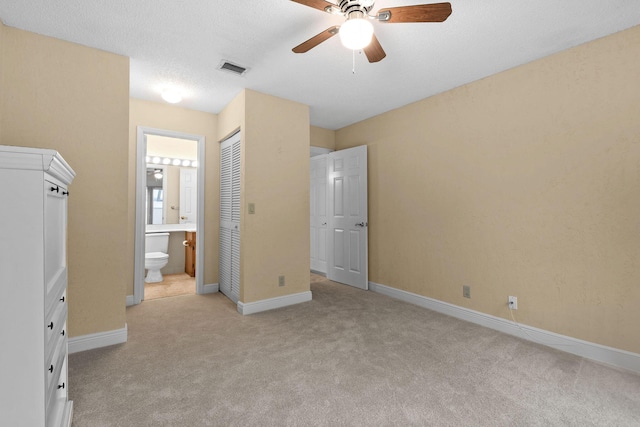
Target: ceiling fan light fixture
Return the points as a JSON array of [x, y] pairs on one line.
[[356, 33]]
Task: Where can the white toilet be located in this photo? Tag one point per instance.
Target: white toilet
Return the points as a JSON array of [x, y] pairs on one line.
[[156, 246]]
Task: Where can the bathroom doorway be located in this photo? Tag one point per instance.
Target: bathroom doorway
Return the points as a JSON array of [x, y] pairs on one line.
[[162, 158]]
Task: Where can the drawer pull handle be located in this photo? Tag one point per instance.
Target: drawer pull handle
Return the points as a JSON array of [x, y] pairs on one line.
[[61, 386], [62, 299], [51, 368], [65, 193], [62, 333], [56, 189], [50, 326]]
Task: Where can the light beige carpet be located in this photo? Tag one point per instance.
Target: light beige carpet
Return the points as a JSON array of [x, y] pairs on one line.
[[347, 358]]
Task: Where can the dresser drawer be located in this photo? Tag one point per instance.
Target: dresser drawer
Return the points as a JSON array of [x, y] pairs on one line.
[[57, 397], [55, 326], [53, 366], [55, 293]]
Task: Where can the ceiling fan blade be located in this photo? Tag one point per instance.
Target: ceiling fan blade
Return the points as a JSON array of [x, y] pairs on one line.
[[436, 12], [316, 40], [374, 50], [316, 4]]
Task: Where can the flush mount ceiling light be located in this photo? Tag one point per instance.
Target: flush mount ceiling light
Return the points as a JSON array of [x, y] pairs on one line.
[[172, 96], [157, 174]]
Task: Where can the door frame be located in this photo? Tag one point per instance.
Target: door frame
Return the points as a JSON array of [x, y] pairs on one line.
[[140, 223]]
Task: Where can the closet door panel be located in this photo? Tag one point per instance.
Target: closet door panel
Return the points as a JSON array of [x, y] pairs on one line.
[[230, 166]]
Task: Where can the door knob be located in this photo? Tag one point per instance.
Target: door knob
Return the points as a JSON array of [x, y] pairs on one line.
[[361, 224]]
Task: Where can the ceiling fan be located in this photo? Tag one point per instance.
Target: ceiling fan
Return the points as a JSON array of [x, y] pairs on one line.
[[357, 32]]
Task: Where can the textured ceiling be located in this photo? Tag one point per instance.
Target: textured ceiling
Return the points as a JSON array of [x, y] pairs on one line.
[[181, 43]]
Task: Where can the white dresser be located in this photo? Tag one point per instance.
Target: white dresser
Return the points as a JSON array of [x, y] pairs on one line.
[[33, 285]]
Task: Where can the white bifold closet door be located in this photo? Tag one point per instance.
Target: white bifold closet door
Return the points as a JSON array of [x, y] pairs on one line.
[[230, 217]]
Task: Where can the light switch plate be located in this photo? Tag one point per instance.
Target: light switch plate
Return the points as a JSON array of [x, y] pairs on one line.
[[252, 208]]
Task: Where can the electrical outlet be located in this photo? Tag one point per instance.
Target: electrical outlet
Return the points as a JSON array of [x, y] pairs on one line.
[[281, 281], [513, 303], [466, 291]]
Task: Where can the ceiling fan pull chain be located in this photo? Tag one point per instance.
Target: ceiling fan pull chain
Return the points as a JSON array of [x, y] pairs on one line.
[[353, 69]]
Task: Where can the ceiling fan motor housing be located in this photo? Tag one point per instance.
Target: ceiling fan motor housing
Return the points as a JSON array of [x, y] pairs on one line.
[[354, 8]]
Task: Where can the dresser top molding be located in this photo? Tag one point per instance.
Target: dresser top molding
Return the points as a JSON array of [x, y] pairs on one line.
[[38, 159]]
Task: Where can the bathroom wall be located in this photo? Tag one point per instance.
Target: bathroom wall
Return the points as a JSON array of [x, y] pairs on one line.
[[176, 254], [75, 99], [525, 183]]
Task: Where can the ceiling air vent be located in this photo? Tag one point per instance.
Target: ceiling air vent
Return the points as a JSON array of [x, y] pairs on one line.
[[232, 68]]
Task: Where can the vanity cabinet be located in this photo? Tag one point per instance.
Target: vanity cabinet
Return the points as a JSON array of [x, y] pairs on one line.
[[33, 279], [190, 253]]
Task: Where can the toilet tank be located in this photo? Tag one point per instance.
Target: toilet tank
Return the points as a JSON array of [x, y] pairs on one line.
[[156, 242]]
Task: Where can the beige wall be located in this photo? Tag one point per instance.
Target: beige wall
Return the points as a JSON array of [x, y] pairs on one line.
[[324, 138], [232, 118], [275, 240], [274, 176], [525, 183], [169, 117], [74, 99]]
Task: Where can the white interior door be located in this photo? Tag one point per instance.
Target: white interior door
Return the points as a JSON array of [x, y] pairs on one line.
[[347, 208], [230, 217], [188, 195], [318, 208]]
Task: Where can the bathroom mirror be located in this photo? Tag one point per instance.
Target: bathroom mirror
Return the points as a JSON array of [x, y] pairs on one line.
[[171, 176], [155, 194]]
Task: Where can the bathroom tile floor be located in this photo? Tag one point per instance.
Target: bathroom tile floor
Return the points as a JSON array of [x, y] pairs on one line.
[[172, 285]]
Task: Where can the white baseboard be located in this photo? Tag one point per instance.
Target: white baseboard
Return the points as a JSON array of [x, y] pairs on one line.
[[609, 355], [211, 288], [271, 303], [97, 340], [130, 301]]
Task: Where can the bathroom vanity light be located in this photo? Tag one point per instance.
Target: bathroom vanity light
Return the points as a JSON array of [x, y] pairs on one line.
[[171, 161]]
